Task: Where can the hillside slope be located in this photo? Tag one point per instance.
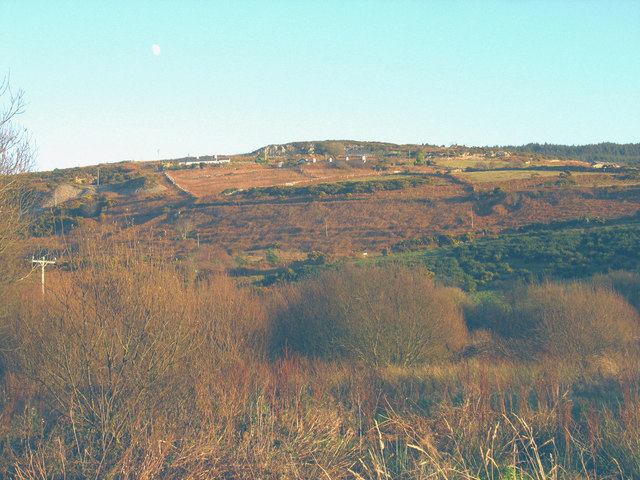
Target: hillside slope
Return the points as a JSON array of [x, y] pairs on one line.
[[264, 213]]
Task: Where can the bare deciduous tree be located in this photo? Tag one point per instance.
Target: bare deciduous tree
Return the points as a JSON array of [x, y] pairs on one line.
[[15, 142], [16, 156], [379, 315]]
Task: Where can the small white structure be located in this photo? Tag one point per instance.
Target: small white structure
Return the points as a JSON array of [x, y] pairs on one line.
[[358, 157], [214, 160]]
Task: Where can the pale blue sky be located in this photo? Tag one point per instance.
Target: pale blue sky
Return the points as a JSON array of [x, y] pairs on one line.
[[233, 76]]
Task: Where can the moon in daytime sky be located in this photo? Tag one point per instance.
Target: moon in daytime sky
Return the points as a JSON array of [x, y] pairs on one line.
[[156, 49]]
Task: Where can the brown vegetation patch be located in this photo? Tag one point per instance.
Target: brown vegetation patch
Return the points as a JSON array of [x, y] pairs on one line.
[[212, 182]]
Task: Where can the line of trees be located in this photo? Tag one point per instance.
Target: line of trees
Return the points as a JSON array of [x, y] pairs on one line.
[[628, 154]]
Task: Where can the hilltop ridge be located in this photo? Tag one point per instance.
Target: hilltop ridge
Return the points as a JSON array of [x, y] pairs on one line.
[[607, 152], [326, 147]]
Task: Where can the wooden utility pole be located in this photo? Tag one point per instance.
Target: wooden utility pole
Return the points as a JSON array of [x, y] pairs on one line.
[[43, 262]]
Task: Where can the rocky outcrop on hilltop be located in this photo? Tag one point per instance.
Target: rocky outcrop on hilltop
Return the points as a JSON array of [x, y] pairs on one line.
[[297, 148], [325, 147]]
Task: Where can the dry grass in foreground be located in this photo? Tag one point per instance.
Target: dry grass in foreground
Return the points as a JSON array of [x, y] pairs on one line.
[[130, 370]]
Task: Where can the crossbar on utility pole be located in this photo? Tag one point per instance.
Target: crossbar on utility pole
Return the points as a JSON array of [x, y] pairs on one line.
[[43, 262]]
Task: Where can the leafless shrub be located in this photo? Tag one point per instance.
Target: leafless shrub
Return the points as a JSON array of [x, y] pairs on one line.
[[122, 348], [130, 370], [579, 321], [625, 283], [573, 321], [380, 315]]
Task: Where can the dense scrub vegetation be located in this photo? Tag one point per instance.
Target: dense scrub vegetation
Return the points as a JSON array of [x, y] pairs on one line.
[[64, 218], [626, 154], [130, 368], [539, 252]]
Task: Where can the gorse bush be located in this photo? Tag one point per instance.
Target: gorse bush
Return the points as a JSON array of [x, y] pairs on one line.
[[568, 253], [379, 315]]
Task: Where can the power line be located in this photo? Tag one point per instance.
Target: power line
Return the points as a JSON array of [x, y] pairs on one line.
[[43, 262]]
